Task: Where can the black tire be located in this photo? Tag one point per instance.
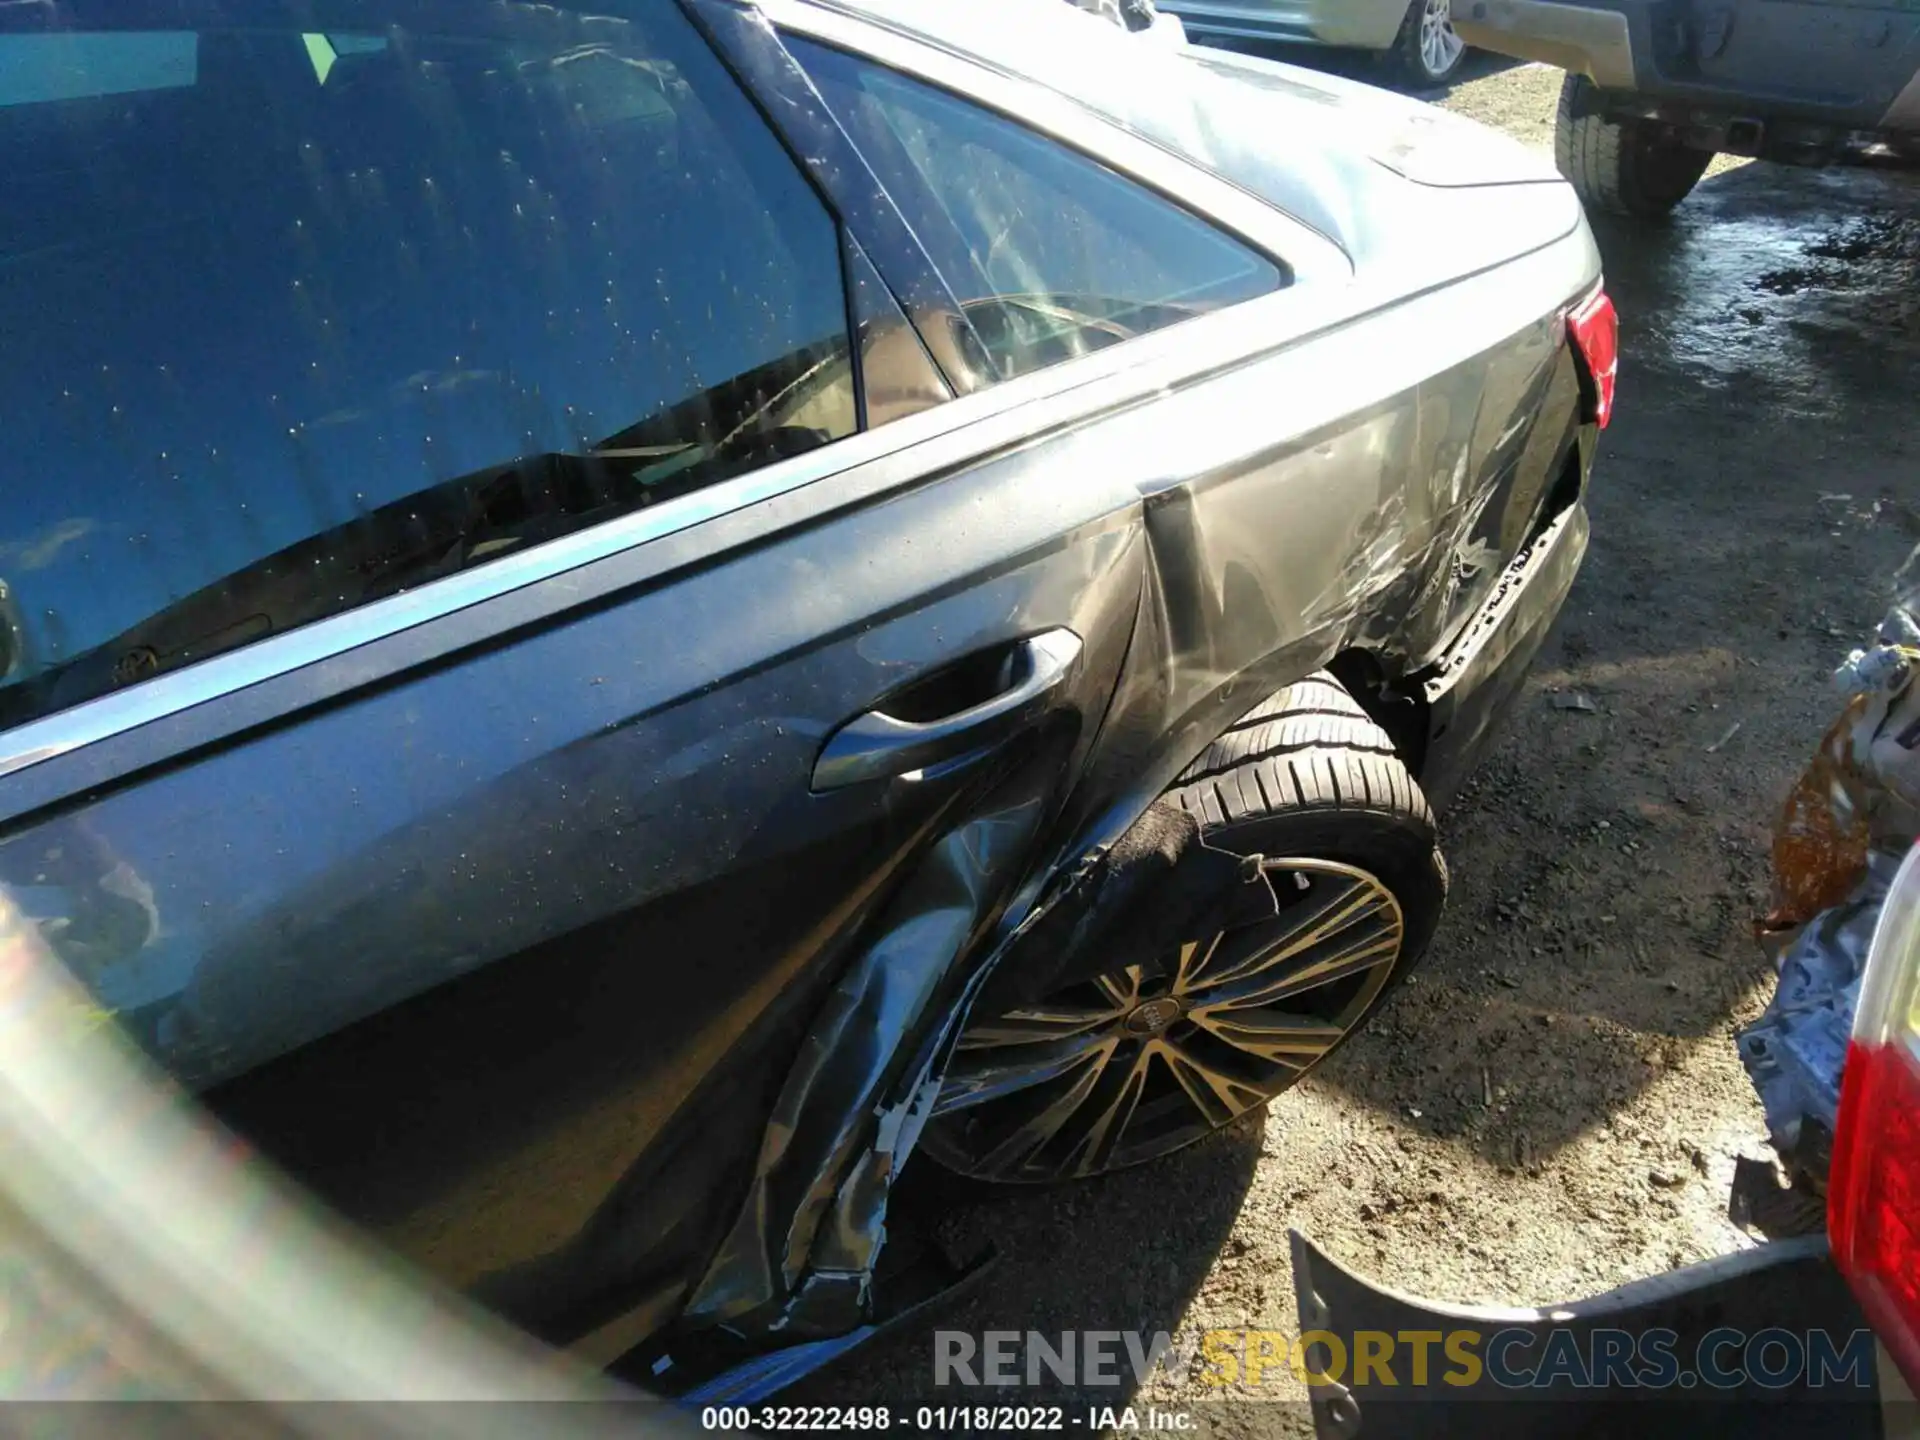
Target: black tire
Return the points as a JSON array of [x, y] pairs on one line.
[[1307, 777], [1408, 58], [1308, 772], [1635, 168]]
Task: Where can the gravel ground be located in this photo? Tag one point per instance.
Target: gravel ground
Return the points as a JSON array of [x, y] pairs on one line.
[[1553, 1105]]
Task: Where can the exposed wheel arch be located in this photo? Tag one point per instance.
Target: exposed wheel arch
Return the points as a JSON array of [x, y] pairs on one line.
[[1111, 1065], [1400, 711]]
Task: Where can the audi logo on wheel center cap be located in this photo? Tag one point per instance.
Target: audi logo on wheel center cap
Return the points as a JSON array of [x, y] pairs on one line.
[[1155, 1015]]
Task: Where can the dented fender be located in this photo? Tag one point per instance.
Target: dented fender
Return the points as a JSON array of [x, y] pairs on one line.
[[1424, 541]]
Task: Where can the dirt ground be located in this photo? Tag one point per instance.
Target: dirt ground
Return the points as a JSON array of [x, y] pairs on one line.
[[1554, 1104]]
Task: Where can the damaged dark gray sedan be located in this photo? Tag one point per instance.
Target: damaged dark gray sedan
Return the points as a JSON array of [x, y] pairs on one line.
[[617, 618]]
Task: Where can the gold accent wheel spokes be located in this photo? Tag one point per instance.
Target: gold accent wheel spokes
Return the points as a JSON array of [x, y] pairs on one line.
[[1134, 1064]]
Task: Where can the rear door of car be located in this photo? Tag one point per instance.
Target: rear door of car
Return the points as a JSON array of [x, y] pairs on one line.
[[480, 648]]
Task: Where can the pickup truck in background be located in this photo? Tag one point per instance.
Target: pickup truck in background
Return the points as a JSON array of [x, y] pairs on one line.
[[1655, 88]]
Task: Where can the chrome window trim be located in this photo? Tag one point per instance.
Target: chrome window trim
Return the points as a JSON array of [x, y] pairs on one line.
[[1320, 295], [1311, 257]]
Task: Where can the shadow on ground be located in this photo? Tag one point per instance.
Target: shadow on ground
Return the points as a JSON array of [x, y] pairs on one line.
[[1124, 1253]]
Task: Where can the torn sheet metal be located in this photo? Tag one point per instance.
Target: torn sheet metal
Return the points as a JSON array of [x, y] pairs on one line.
[[799, 1264], [796, 1264], [1145, 895]]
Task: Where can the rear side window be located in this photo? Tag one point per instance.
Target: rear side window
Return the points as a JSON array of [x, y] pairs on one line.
[[298, 319], [1051, 254]]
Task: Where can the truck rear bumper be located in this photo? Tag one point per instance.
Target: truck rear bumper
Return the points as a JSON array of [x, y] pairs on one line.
[[1831, 77], [1594, 1367], [1595, 43]]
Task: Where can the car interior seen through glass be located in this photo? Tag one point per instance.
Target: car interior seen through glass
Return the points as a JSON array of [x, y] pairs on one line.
[[1050, 253], [299, 320]]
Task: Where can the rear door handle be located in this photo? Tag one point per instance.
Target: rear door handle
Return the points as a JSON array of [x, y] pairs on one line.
[[878, 746]]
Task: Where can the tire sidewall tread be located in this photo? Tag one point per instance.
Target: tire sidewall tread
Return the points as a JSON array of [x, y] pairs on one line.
[[1314, 776], [1608, 162]]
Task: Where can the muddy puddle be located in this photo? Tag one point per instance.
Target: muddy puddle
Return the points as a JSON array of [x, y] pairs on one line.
[[1777, 281]]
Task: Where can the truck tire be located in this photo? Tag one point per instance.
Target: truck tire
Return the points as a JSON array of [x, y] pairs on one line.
[[1134, 1065], [1636, 168]]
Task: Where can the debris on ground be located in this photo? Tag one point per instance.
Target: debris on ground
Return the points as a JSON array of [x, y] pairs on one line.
[[1769, 1209], [1577, 701], [1796, 1050], [1820, 840], [1862, 787], [1849, 821]]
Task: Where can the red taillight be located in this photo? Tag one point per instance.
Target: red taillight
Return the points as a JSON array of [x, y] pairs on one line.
[[1595, 327], [1873, 1188]]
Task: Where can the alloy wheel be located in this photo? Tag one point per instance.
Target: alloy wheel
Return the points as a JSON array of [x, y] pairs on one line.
[[1440, 46], [1138, 1063]]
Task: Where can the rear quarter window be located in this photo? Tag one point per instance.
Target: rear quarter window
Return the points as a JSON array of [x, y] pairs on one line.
[[1050, 253]]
